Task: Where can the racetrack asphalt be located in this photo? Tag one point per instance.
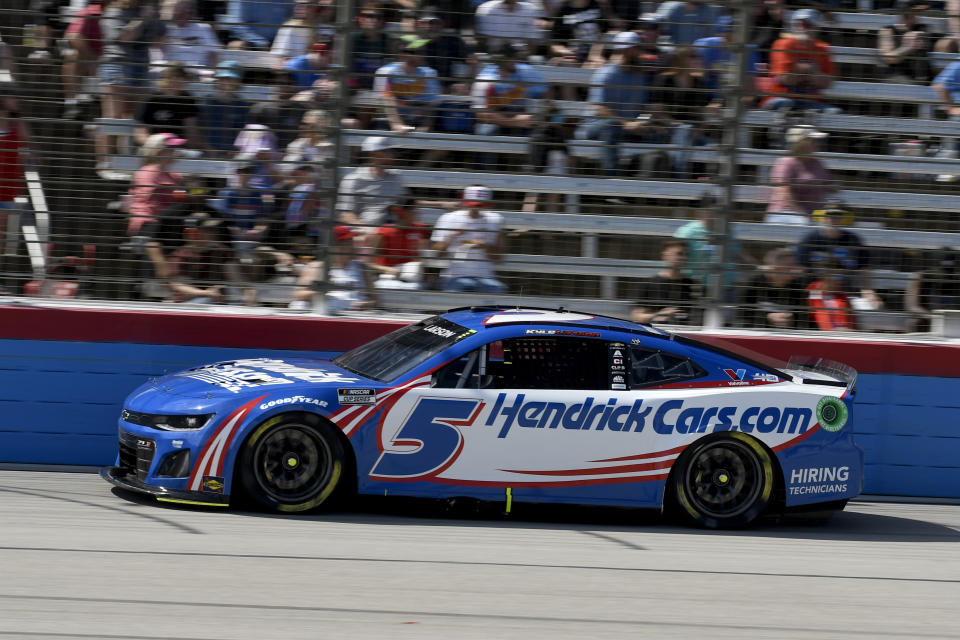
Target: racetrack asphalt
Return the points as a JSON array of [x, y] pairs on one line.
[[79, 559]]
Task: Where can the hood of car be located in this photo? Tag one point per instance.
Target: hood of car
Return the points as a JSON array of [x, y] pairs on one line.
[[235, 378]]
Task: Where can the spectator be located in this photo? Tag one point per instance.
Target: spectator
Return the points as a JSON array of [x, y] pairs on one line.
[[257, 145], [800, 64], [309, 22], [685, 22], [769, 23], [349, 285], [193, 44], [472, 241], [14, 154], [370, 47], [502, 94], [84, 40], [398, 249], [281, 115], [248, 209], [367, 192], [152, 197], [801, 182], [935, 287], [829, 305], [172, 110], [578, 25], [623, 14], [312, 146], [500, 22], [619, 92], [46, 30], [669, 296], [255, 22], [717, 58], [304, 205], [129, 28], [775, 298], [684, 99], [702, 238], [905, 48], [951, 42], [223, 115], [310, 67], [408, 89], [830, 250], [197, 270], [447, 53]]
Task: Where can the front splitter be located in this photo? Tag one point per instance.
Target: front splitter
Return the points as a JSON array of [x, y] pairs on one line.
[[123, 480]]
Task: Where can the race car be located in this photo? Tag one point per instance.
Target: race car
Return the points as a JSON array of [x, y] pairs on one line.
[[502, 404]]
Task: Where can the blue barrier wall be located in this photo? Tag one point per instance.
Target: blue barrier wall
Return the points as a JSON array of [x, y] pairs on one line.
[[59, 402]]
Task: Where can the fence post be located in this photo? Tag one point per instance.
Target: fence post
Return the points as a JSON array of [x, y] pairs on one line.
[[736, 90]]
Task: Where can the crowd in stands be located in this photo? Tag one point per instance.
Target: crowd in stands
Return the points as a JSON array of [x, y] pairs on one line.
[[659, 75]]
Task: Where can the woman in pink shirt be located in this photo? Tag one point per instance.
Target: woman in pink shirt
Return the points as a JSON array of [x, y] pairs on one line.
[[153, 186], [801, 183], [152, 193]]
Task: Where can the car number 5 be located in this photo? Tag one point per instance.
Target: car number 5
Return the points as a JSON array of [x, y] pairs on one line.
[[431, 439]]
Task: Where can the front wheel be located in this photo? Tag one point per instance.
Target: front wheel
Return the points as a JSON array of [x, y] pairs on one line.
[[724, 482], [292, 463]]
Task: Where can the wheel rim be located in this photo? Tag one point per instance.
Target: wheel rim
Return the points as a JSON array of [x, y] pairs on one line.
[[724, 479], [292, 463]]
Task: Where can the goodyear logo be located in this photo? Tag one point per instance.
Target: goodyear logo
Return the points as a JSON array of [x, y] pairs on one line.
[[664, 418]]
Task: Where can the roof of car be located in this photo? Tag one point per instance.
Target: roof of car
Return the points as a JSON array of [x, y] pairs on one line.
[[485, 317]]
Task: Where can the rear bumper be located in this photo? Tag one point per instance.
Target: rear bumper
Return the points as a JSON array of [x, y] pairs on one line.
[[124, 480]]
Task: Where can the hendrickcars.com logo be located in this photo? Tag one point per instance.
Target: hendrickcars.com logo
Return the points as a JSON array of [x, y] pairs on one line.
[[664, 418]]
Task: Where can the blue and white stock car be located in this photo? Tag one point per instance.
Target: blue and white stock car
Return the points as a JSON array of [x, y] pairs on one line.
[[507, 405]]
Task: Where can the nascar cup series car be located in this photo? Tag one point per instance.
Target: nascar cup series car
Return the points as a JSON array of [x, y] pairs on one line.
[[501, 404]]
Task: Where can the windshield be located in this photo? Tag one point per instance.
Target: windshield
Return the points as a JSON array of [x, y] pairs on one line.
[[396, 353]]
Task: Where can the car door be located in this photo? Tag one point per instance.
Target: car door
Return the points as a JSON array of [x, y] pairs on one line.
[[532, 411]]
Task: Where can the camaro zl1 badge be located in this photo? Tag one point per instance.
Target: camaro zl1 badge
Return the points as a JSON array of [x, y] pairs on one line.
[[356, 396]]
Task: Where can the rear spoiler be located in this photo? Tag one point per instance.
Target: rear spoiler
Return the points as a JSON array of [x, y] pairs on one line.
[[841, 375]]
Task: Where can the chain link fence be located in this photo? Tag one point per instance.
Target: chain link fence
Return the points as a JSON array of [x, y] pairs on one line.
[[737, 164]]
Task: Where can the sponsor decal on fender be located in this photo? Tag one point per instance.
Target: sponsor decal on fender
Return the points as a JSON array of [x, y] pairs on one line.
[[356, 396], [212, 484], [664, 418], [256, 372], [818, 480], [293, 400]]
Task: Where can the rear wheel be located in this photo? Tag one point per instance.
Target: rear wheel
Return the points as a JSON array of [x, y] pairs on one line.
[[292, 463], [724, 482]]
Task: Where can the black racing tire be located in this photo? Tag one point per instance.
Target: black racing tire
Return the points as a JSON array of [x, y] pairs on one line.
[[292, 463], [724, 482]]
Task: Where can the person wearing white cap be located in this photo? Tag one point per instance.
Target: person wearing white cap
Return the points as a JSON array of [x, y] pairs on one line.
[[619, 92], [472, 240], [367, 192], [800, 64], [801, 182]]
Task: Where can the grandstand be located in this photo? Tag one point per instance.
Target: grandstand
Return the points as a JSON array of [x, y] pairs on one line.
[[519, 112]]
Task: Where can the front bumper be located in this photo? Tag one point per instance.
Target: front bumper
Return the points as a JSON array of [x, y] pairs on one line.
[[126, 480]]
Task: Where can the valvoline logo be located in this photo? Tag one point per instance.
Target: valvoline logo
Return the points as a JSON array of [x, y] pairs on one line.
[[665, 418]]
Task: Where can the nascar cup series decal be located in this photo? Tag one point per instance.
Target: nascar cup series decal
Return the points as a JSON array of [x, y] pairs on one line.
[[356, 396], [485, 436], [256, 372]]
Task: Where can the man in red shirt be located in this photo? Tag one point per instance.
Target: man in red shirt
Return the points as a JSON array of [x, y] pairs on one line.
[[397, 249], [800, 66], [14, 138], [85, 40]]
